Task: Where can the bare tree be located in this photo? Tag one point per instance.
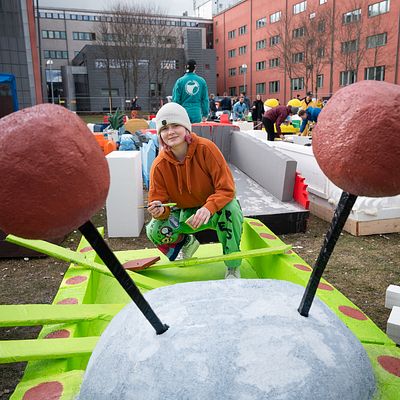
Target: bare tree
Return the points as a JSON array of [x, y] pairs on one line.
[[351, 37], [282, 45]]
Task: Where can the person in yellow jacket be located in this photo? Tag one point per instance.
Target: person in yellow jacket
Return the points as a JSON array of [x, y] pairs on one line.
[[307, 102], [191, 172]]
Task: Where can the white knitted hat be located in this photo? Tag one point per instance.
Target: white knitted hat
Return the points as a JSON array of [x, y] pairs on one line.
[[172, 113]]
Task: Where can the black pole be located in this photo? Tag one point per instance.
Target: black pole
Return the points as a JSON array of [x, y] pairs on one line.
[[342, 211], [100, 246]]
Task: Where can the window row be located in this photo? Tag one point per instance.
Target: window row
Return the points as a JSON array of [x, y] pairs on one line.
[[56, 54], [373, 41], [83, 36], [106, 18], [54, 35], [370, 73]]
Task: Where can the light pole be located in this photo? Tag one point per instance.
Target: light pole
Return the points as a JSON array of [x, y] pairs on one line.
[[49, 62], [244, 69]]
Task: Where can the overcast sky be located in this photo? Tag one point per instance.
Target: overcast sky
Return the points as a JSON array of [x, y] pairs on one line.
[[175, 7]]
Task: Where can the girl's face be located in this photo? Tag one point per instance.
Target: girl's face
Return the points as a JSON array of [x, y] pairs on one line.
[[173, 135]]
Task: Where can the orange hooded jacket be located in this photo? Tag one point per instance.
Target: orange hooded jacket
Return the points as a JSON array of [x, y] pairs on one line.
[[203, 178]]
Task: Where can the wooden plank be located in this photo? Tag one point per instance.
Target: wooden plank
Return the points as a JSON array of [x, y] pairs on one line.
[[44, 314], [141, 263], [45, 349]]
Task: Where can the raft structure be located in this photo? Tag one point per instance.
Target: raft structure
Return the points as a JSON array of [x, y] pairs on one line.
[[89, 297]]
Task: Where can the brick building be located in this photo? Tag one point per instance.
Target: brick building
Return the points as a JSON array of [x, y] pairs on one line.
[[282, 48]]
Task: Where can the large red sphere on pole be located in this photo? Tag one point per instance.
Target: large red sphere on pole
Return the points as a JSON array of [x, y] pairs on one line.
[[357, 139], [54, 174]]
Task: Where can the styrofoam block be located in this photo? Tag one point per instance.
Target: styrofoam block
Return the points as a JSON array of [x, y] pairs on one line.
[[393, 325], [124, 218], [392, 297]]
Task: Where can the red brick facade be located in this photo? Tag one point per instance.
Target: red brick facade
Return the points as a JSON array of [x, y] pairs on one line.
[[339, 41]]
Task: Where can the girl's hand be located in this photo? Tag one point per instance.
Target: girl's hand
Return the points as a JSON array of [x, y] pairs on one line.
[[201, 217], [154, 208]]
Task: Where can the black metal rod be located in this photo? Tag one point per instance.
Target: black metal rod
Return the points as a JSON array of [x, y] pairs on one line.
[[100, 246], [342, 211]]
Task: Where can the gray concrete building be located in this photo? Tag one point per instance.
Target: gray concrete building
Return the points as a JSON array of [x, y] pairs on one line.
[[18, 50], [70, 39]]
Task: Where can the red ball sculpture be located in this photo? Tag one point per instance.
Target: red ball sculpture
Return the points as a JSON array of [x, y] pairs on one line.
[[356, 141], [54, 176]]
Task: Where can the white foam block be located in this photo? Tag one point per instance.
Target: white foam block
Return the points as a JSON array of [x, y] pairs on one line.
[[392, 297], [124, 218], [393, 325]]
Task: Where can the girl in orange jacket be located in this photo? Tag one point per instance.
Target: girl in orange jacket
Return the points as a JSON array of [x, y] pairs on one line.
[[191, 172]]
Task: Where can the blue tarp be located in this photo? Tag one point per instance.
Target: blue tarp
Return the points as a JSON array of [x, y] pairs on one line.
[[10, 80]]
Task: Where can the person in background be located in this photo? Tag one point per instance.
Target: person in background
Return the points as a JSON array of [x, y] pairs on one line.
[[277, 116], [191, 92], [307, 101], [246, 100], [257, 111], [134, 104], [191, 172], [309, 115], [240, 109], [226, 103], [213, 106]]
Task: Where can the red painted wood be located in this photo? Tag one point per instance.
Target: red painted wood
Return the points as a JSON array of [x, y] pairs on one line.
[[143, 263]]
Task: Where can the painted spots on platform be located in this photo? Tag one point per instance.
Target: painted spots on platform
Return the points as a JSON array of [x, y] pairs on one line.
[[302, 267], [76, 279], [46, 390], [86, 249], [68, 300], [353, 313], [390, 364], [255, 223], [324, 286], [268, 236], [60, 334]]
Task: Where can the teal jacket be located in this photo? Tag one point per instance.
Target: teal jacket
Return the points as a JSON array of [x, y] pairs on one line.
[[191, 92]]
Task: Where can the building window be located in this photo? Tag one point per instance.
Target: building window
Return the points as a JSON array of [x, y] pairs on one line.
[[275, 17], [260, 65], [375, 73], [56, 54], [320, 81], [232, 34], [261, 44], [242, 30], [321, 52], [232, 72], [274, 86], [232, 91], [312, 15], [299, 32], [242, 50], [242, 70], [83, 36], [274, 62], [260, 88], [321, 26], [54, 75], [351, 16], [322, 1], [299, 7], [260, 23], [347, 78], [381, 7], [54, 35], [106, 92], [349, 47], [231, 53], [376, 40], [274, 40], [297, 84], [297, 57], [169, 64]]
